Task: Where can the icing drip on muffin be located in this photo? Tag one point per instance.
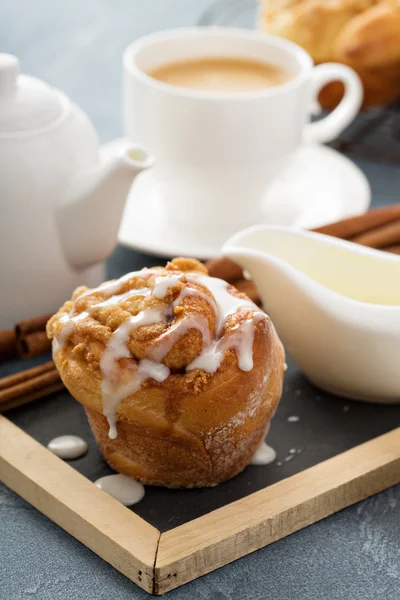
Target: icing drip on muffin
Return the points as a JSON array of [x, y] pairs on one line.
[[171, 306]]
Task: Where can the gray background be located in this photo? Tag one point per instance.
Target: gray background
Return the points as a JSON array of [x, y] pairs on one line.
[[355, 554]]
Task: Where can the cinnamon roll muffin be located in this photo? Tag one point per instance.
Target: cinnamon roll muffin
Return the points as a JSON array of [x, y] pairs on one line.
[[178, 372]]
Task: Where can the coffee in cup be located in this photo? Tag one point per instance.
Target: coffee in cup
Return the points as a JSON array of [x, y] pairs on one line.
[[220, 74]]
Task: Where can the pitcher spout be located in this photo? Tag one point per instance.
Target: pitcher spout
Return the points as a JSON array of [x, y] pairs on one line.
[[261, 251], [90, 216]]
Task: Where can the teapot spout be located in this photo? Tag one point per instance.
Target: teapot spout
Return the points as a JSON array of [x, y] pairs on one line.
[[89, 218]]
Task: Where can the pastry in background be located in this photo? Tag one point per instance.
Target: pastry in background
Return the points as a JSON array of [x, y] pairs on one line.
[[364, 34], [179, 373]]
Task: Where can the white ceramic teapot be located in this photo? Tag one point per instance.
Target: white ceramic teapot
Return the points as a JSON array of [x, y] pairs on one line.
[[60, 207]]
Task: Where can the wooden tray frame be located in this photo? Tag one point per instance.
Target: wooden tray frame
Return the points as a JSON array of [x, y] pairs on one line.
[[159, 562]]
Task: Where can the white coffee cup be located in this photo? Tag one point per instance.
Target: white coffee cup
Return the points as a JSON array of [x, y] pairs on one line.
[[216, 152]]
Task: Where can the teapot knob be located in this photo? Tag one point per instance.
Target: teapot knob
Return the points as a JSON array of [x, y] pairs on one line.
[[9, 70]]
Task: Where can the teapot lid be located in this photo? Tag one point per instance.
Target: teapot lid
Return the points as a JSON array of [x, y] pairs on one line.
[[25, 102]]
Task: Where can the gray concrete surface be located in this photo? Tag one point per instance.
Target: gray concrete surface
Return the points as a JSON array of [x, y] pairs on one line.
[[353, 555]]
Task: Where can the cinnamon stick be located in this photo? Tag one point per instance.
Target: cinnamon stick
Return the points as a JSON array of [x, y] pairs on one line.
[[380, 237], [8, 344], [28, 326], [35, 384], [11, 380], [379, 228], [33, 344], [354, 226], [247, 287], [393, 249], [29, 386], [224, 268], [30, 397]]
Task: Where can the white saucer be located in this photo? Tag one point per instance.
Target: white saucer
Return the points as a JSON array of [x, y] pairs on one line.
[[320, 186]]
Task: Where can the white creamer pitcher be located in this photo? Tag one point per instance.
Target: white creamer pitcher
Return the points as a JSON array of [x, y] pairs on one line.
[[336, 306]]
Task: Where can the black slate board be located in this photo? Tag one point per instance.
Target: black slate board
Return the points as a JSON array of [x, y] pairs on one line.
[[326, 427]]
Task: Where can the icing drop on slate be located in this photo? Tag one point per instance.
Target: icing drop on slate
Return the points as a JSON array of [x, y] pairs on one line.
[[68, 447], [122, 488], [264, 455], [293, 419], [240, 338]]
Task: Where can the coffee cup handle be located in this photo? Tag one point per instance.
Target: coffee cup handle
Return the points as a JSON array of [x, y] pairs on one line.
[[328, 128]]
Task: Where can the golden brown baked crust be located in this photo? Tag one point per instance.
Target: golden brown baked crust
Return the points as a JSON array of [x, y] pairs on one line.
[[364, 34], [195, 428]]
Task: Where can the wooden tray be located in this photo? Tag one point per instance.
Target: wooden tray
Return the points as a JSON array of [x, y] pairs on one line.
[[342, 452]]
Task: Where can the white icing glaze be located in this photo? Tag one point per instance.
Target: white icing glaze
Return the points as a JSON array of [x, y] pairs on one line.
[[164, 283], [122, 488], [264, 455], [113, 388], [227, 304], [244, 339], [210, 358], [111, 287], [121, 297], [167, 339], [242, 336], [70, 322], [241, 339], [293, 419], [188, 291], [68, 447]]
